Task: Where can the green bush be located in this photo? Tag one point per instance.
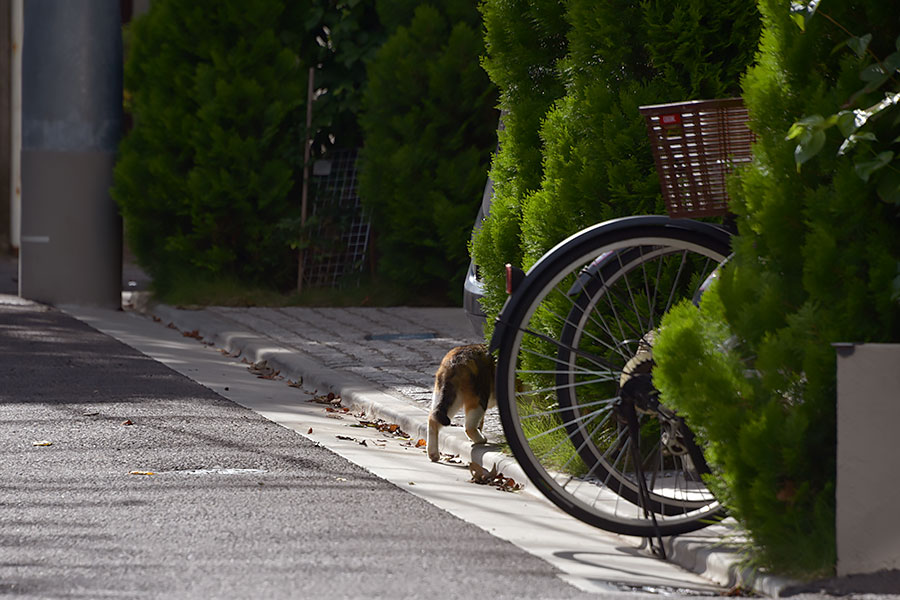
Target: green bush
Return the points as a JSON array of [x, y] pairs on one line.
[[591, 144], [428, 119], [208, 180], [340, 37], [815, 263], [203, 175], [524, 41]]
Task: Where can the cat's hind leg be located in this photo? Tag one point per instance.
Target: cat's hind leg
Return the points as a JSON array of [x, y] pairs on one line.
[[444, 404], [474, 422]]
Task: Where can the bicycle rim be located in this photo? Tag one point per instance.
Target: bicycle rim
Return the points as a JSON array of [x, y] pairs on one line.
[[581, 338]]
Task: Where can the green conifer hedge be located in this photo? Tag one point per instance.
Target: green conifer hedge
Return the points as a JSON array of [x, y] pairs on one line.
[[576, 150], [428, 120], [205, 173], [816, 262], [524, 41], [208, 180]]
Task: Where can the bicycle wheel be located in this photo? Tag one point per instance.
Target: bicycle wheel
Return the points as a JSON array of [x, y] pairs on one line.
[[574, 375]]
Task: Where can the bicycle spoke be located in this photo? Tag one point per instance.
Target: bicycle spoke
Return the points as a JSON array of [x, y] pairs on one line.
[[585, 355], [558, 410], [565, 322]]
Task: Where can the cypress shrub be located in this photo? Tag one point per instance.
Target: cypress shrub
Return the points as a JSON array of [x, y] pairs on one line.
[[524, 40], [428, 120], [815, 262], [341, 37], [595, 159], [622, 55], [204, 175], [208, 179]]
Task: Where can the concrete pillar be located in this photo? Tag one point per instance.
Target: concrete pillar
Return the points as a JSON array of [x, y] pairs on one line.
[[15, 122], [5, 119], [71, 234], [868, 458]]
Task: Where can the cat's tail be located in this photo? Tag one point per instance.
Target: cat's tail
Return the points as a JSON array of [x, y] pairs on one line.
[[443, 399], [437, 419], [440, 417]]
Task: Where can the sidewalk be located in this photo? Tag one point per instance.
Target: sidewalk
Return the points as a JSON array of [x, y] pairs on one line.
[[382, 361]]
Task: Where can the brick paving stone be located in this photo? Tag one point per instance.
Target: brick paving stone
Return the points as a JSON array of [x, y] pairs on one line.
[[342, 339]]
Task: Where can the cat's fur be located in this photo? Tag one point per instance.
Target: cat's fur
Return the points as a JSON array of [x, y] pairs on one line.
[[465, 379]]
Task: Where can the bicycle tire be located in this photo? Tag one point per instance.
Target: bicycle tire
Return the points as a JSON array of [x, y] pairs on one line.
[[539, 336]]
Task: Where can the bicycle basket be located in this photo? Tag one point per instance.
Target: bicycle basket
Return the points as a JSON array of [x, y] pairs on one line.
[[695, 146]]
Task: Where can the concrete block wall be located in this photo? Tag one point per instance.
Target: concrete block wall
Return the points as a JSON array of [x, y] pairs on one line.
[[868, 458]]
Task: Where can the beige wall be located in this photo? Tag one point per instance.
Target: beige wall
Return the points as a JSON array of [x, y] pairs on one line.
[[868, 458]]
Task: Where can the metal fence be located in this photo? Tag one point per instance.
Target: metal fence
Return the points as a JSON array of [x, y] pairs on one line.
[[340, 225]]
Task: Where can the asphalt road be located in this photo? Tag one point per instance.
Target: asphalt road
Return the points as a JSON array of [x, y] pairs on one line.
[[237, 507]]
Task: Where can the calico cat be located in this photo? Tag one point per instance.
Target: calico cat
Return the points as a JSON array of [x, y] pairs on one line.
[[465, 379]]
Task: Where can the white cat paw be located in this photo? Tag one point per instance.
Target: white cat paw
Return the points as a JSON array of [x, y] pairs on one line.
[[477, 439]]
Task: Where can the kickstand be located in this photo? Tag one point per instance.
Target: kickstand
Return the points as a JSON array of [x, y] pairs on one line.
[[655, 542]]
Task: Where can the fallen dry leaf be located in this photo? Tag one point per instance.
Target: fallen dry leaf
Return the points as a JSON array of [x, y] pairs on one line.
[[482, 476], [142, 473], [391, 429], [127, 422], [736, 592], [262, 370], [309, 432], [192, 334], [329, 398], [421, 443]]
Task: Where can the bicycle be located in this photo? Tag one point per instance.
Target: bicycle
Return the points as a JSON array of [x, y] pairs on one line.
[[574, 340]]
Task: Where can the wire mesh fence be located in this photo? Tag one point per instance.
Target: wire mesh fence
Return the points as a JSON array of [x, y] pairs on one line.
[[340, 227]]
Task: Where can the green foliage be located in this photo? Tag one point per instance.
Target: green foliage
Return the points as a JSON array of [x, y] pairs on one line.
[[524, 41], [204, 173], [340, 37], [428, 118], [815, 263], [208, 179], [582, 154]]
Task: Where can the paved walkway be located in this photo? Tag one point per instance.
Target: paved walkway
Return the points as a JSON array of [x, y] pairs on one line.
[[396, 350]]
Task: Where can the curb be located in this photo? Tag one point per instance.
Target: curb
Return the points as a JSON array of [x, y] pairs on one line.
[[707, 552]]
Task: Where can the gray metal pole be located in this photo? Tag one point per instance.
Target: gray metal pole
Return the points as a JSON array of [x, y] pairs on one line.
[[71, 236]]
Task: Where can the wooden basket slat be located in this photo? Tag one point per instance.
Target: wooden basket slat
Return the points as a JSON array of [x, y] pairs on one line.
[[695, 146]]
